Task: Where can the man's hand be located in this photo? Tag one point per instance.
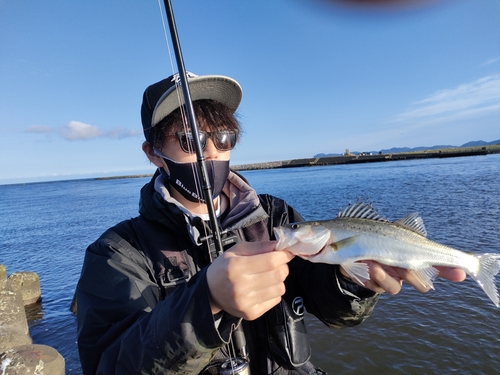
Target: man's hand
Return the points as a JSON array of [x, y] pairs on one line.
[[248, 280], [390, 279]]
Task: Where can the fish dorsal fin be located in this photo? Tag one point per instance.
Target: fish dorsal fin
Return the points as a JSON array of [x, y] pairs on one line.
[[361, 210], [414, 223]]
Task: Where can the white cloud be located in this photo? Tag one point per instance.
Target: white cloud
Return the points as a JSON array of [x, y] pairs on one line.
[[39, 129], [76, 130], [121, 132], [491, 61], [465, 101], [450, 116]]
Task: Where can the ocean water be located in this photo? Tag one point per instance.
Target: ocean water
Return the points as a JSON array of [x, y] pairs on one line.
[[45, 228]]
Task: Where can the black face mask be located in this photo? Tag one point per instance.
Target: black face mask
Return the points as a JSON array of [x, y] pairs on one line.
[[182, 177]]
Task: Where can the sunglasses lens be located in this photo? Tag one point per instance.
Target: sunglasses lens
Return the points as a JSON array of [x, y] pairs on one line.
[[186, 141], [224, 140], [203, 139]]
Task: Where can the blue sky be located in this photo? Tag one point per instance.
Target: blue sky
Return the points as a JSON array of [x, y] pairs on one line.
[[316, 78]]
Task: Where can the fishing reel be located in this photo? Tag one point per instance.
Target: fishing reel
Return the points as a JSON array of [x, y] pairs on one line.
[[238, 364], [234, 366]]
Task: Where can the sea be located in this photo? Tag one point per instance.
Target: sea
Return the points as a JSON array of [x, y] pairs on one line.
[[454, 329]]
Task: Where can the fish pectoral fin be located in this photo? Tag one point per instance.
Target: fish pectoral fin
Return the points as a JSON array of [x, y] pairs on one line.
[[346, 242], [357, 271], [425, 276]]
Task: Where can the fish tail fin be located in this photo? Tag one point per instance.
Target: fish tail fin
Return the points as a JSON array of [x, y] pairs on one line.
[[489, 266]]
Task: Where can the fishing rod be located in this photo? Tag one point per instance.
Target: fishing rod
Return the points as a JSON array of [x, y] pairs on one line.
[[202, 169], [233, 365]]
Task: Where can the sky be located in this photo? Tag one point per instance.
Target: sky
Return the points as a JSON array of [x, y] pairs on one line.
[[317, 77]]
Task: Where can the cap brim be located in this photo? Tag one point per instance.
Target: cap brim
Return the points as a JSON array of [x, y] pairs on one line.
[[220, 88]]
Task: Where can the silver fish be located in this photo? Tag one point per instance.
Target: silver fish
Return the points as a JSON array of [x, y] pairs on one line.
[[359, 232]]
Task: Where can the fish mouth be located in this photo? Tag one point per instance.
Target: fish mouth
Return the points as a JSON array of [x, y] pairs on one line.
[[305, 242], [309, 255]]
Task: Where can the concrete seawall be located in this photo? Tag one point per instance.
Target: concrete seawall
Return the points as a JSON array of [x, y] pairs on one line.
[[375, 158], [18, 354]]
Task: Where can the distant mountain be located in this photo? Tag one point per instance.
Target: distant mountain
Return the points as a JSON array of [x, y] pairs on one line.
[[481, 143], [407, 149], [325, 155], [395, 150]]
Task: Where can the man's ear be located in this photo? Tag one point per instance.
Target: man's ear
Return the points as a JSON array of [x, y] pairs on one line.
[[153, 158]]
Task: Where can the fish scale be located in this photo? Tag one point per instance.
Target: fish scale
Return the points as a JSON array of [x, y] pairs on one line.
[[405, 251]]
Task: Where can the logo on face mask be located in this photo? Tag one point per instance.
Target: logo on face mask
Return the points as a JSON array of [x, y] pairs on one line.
[[182, 178], [190, 193]]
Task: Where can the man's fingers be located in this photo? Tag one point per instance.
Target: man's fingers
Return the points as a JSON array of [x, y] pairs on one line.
[[452, 274], [383, 279], [248, 279], [411, 279], [253, 248], [264, 247]]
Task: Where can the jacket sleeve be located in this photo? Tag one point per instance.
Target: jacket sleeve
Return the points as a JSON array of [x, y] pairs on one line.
[[124, 328], [328, 295]]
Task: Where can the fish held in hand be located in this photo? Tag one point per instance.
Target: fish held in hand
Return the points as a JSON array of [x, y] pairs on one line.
[[359, 233]]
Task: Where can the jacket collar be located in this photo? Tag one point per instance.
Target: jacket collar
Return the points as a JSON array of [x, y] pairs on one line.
[[240, 206]]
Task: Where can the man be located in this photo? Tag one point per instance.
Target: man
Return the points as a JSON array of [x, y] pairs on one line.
[[154, 297]]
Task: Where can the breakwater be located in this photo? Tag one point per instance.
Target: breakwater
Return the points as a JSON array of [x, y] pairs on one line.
[[18, 354], [373, 158]]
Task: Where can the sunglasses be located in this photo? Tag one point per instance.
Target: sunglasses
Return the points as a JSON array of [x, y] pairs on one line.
[[223, 140]]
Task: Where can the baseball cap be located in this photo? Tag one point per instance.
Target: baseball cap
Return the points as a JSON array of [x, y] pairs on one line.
[[163, 97]]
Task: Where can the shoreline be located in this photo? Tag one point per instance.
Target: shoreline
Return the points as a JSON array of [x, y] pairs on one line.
[[353, 159]]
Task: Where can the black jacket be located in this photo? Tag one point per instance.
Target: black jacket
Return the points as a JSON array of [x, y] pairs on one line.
[[143, 301]]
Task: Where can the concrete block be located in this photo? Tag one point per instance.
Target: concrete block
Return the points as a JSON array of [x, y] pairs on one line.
[[28, 284], [18, 356], [11, 336], [12, 311], [32, 359], [3, 273]]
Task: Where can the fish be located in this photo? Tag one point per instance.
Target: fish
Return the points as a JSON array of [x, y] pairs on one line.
[[360, 233]]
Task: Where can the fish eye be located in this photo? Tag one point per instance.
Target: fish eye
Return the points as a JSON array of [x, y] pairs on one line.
[[295, 226]]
